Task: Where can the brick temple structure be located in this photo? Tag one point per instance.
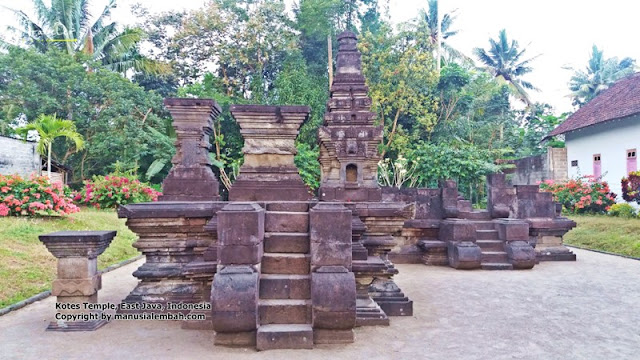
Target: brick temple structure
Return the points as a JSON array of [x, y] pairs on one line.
[[284, 270]]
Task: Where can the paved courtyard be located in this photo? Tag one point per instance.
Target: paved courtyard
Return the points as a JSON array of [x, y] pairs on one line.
[[589, 309]]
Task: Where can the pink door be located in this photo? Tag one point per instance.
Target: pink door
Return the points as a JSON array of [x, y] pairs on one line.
[[597, 169], [632, 161]]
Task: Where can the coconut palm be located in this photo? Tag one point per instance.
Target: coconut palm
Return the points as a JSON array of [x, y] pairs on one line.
[[68, 26], [599, 75], [428, 22], [49, 128], [504, 60]]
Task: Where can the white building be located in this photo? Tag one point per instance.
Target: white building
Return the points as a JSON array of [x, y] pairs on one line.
[[603, 136]]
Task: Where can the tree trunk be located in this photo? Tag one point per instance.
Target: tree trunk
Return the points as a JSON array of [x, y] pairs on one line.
[[393, 132], [49, 162]]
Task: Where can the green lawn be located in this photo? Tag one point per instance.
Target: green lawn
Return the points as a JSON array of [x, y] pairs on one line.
[[27, 268], [611, 234]]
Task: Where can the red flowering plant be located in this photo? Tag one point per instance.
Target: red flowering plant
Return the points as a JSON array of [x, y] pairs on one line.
[[34, 196], [585, 194], [631, 187], [113, 190]]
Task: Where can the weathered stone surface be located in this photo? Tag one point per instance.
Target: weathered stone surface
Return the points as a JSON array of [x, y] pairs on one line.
[[241, 224], [464, 255], [457, 230], [521, 254], [268, 172], [281, 263], [274, 286], [289, 336], [512, 229], [234, 299], [349, 140], [284, 311], [191, 177], [291, 222], [333, 296], [78, 279]]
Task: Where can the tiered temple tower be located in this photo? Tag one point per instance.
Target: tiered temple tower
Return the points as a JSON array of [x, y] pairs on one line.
[[349, 139]]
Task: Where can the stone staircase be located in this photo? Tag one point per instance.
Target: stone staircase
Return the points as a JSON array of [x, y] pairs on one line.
[[493, 255], [284, 306]]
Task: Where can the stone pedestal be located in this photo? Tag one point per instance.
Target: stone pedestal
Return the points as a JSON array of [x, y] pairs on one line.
[[269, 172], [546, 234], [191, 177], [78, 280], [383, 222], [175, 241]]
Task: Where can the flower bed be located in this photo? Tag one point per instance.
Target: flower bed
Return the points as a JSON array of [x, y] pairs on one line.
[[585, 194], [113, 190], [34, 196]]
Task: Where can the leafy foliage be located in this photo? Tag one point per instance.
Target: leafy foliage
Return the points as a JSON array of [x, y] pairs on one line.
[[113, 190], [505, 61], [623, 210], [35, 196], [584, 194], [67, 25], [118, 120], [598, 76]]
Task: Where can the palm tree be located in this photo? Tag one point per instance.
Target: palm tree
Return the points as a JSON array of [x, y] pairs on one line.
[[68, 26], [49, 128], [599, 75], [504, 61], [428, 23]]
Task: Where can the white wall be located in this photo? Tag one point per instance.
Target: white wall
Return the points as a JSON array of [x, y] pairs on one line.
[[17, 156], [611, 140]]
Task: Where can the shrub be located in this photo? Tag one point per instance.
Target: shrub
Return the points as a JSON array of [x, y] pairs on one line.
[[113, 190], [631, 187], [622, 210], [585, 194], [35, 196]]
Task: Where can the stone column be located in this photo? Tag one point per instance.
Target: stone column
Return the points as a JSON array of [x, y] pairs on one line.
[[191, 177], [78, 279], [235, 290], [269, 172], [333, 285]]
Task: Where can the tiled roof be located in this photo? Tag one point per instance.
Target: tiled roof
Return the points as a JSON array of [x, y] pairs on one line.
[[622, 99]]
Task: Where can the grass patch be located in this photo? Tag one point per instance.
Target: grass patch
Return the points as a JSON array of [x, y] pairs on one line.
[[27, 268], [606, 233]]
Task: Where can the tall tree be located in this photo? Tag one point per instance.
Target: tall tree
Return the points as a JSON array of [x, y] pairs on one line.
[[428, 23], [49, 128], [505, 61], [67, 25], [599, 74]]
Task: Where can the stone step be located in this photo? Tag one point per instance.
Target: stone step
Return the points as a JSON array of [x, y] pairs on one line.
[[286, 222], [490, 245], [494, 257], [483, 225], [285, 263], [497, 266], [289, 206], [284, 336], [278, 311], [277, 242], [475, 215], [273, 286], [487, 234]]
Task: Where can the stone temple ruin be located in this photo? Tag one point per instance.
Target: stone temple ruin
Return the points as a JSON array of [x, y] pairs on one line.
[[282, 269]]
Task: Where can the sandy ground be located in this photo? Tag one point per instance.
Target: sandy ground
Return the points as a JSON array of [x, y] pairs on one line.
[[589, 309]]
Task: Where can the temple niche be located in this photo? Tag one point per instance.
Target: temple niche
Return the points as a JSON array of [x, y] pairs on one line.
[[349, 139]]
